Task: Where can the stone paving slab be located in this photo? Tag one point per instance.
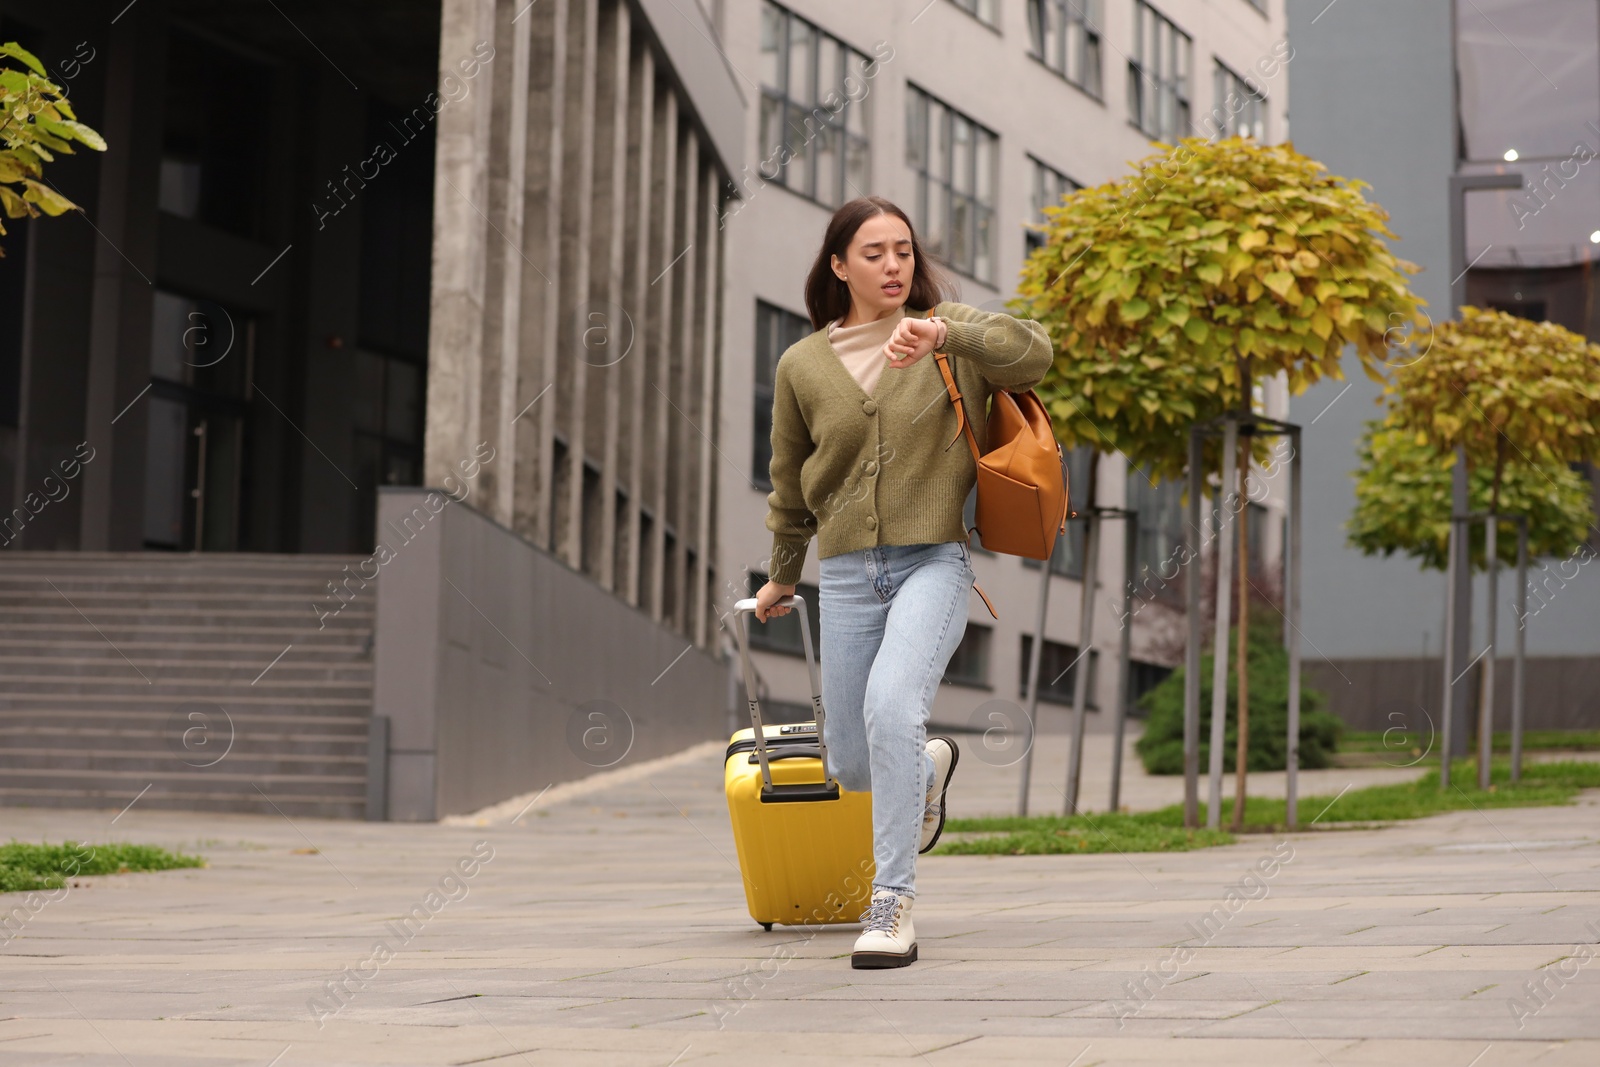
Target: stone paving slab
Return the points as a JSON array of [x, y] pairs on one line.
[[610, 928]]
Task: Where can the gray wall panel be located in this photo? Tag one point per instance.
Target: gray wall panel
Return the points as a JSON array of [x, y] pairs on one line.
[[484, 683]]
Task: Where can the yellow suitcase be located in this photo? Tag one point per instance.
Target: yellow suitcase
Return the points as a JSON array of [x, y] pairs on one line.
[[804, 841]]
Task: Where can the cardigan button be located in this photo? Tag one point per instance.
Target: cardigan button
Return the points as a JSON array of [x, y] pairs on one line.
[[872, 522], [870, 466], [870, 407]]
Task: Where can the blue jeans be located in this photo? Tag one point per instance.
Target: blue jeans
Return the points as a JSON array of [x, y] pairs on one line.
[[891, 617]]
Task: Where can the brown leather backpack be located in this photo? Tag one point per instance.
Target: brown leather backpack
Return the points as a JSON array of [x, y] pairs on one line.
[[1022, 479]]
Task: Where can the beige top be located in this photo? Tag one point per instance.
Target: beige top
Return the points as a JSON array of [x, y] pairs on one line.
[[860, 347]]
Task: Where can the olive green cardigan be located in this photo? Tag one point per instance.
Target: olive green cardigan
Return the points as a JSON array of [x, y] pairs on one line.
[[859, 471]]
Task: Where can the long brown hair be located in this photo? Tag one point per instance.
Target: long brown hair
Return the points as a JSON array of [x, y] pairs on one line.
[[828, 296]]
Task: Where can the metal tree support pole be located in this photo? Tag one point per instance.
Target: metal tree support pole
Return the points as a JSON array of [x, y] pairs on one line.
[[1491, 524], [1080, 681], [1035, 659], [1219, 661], [1130, 546], [1522, 648], [1291, 608], [1461, 652], [1447, 654], [1191, 649]]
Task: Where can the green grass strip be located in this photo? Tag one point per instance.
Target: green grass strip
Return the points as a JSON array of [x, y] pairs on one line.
[[1162, 830], [25, 867], [1532, 740]]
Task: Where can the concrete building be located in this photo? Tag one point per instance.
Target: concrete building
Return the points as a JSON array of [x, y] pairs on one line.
[[1488, 86], [336, 250]]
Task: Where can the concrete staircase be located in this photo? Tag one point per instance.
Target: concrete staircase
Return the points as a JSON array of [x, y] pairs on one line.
[[195, 682]]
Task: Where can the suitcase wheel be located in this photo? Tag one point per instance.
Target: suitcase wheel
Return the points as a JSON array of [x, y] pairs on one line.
[[767, 927]]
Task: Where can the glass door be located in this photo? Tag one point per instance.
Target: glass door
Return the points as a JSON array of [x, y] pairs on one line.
[[200, 357]]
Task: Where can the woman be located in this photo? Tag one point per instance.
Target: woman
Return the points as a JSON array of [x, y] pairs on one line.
[[861, 428]]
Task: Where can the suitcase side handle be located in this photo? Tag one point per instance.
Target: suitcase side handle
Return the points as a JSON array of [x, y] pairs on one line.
[[741, 635], [801, 792]]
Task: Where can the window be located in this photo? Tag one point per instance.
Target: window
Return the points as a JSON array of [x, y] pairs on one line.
[[1049, 186], [982, 10], [1241, 109], [813, 115], [954, 161], [776, 330], [1058, 672], [1064, 35], [214, 166], [1158, 75], [1143, 677], [781, 633], [387, 411], [1066, 559], [969, 664], [1157, 555]]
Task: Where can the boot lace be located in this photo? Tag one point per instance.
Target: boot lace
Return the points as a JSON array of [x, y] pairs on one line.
[[882, 914]]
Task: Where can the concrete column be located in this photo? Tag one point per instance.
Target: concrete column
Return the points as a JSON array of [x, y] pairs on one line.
[[577, 148], [684, 390], [710, 279], [663, 242], [460, 251], [641, 202], [507, 165], [605, 319], [535, 425], [116, 422]]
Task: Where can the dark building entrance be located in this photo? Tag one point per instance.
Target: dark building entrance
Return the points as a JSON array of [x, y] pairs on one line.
[[236, 329]]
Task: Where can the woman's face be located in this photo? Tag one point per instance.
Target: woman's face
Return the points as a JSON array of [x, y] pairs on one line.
[[878, 266]]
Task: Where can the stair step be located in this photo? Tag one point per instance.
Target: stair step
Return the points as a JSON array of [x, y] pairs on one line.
[[211, 618], [25, 687], [219, 672], [168, 749], [115, 781], [19, 717], [192, 740], [287, 766], [162, 653], [307, 806]]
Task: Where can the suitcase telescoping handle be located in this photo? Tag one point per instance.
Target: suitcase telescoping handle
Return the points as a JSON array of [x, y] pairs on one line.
[[741, 634]]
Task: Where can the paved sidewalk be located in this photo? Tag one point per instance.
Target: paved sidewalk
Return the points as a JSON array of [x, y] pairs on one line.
[[610, 928]]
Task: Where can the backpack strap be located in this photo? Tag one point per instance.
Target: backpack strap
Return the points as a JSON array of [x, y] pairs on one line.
[[962, 425], [975, 584]]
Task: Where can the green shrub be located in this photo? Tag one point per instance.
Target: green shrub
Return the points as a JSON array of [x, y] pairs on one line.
[[1161, 747]]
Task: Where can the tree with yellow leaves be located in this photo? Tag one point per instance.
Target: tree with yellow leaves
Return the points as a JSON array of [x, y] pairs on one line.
[[1512, 395], [1214, 264]]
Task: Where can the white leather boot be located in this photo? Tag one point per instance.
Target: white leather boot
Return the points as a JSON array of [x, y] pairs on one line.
[[888, 939], [944, 753]]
